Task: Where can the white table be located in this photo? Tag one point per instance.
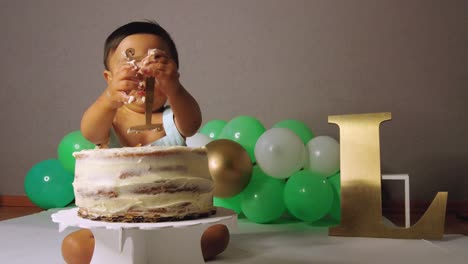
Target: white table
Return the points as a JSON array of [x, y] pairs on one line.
[[35, 239], [133, 243]]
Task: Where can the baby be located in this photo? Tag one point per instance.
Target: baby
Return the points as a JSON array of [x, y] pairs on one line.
[[132, 53]]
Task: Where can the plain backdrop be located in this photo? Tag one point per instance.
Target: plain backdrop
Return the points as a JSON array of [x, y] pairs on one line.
[[272, 60]]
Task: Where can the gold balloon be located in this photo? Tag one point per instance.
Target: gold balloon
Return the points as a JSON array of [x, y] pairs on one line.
[[230, 167]]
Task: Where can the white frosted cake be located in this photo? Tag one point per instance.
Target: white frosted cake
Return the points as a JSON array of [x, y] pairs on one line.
[[143, 184]]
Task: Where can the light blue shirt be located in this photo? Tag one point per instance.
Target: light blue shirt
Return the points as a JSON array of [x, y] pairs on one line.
[[172, 138]]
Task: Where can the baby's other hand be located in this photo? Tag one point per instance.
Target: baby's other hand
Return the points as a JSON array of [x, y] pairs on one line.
[[121, 83], [164, 69]]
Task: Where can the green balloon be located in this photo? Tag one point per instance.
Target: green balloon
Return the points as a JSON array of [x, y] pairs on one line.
[[308, 196], [72, 142], [49, 185], [259, 175], [244, 130], [213, 128], [335, 211], [262, 200], [298, 127], [327, 221], [233, 203]]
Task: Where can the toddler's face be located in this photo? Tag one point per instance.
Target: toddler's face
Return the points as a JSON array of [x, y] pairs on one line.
[[141, 43]]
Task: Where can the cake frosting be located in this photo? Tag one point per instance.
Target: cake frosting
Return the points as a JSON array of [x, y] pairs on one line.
[[143, 184]]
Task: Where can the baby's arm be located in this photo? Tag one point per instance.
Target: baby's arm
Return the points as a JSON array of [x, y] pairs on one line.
[[187, 115], [97, 120]]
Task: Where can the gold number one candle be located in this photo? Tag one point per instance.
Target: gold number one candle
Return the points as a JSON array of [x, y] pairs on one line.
[[361, 200]]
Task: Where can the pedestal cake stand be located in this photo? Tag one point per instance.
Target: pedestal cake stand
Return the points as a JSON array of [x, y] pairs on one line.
[[128, 243]]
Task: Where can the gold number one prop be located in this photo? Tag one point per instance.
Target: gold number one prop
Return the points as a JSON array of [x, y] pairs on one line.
[[361, 201]]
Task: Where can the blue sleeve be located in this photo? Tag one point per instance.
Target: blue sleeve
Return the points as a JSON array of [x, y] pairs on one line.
[[173, 137]]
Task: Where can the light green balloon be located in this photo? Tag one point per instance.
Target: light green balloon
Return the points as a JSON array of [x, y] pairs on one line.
[[244, 130], [72, 142], [308, 196], [262, 200], [213, 128], [233, 203], [49, 185], [335, 211], [298, 127]]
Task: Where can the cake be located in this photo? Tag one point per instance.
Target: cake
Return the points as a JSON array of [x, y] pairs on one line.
[[143, 184]]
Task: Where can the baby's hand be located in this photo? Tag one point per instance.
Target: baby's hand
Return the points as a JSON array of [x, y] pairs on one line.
[[123, 81], [164, 69]]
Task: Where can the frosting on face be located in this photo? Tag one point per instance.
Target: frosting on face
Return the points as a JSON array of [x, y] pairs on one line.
[[138, 96]]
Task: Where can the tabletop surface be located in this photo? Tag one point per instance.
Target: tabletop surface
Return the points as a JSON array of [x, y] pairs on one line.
[[36, 239]]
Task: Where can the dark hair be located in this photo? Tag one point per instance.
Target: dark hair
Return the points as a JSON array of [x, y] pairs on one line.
[[132, 28]]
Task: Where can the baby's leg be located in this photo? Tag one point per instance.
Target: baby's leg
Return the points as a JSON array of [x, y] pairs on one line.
[[78, 247], [214, 241]]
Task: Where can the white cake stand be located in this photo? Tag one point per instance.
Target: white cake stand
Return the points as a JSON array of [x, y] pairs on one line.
[[165, 242]]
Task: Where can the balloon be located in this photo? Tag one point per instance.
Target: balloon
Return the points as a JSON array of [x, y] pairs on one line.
[[233, 203], [198, 140], [262, 201], [298, 127], [49, 185], [327, 221], [308, 196], [323, 155], [335, 211], [280, 152], [72, 142], [259, 175], [244, 130], [213, 128], [230, 167]]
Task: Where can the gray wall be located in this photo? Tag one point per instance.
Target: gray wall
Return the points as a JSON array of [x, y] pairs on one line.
[[269, 59]]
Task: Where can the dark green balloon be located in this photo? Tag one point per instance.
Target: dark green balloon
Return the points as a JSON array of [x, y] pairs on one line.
[[244, 130], [233, 203], [262, 200], [298, 127], [213, 128], [72, 142], [308, 196], [335, 211], [49, 185]]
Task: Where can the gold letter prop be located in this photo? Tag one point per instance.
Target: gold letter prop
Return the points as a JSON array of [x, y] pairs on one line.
[[361, 200]]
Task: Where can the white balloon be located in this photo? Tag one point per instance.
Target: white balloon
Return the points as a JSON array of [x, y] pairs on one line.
[[280, 152], [323, 155], [198, 140]]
